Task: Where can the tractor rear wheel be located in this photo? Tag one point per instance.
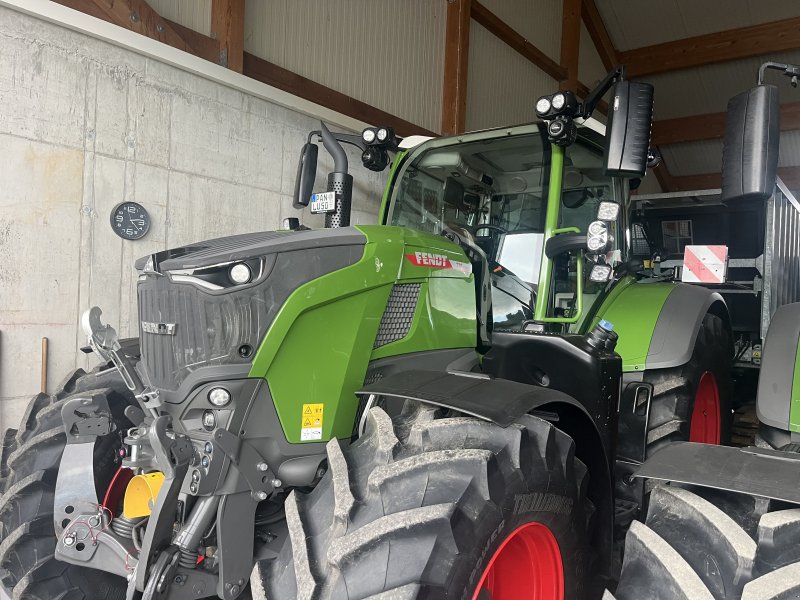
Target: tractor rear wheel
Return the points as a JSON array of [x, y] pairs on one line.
[[426, 507], [29, 465], [692, 402], [725, 547]]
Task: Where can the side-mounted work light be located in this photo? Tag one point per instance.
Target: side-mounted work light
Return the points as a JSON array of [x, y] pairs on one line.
[[378, 140]]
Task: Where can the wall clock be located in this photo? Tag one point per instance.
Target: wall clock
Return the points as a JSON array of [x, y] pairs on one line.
[[130, 221]]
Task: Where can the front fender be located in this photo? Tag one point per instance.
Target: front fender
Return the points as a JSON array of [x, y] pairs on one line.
[[657, 323]]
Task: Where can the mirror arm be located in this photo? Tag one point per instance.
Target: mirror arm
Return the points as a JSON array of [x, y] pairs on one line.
[[335, 149], [792, 71], [590, 102]]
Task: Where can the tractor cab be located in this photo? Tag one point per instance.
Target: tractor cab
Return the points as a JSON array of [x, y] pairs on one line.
[[492, 188]]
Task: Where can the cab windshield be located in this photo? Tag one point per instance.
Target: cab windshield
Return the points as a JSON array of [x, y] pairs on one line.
[[493, 185]]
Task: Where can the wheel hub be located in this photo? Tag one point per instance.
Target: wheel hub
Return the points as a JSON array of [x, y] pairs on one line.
[[526, 565]]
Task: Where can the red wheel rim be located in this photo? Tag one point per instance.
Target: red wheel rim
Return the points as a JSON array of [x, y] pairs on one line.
[[526, 565], [705, 424]]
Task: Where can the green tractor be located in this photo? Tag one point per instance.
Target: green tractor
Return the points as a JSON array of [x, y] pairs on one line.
[[449, 404]]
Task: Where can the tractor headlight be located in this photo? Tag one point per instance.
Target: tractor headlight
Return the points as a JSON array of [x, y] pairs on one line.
[[219, 396], [597, 237], [240, 273]]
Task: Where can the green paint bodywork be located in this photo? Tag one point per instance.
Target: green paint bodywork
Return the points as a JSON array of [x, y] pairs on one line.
[[319, 346], [633, 308], [550, 224], [794, 411]]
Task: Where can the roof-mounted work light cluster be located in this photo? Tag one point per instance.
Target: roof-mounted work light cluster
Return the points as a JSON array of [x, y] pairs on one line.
[[558, 110], [378, 141], [379, 136]]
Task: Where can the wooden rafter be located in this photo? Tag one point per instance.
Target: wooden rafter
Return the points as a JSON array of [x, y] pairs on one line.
[[507, 34], [456, 67], [733, 44], [227, 27], [711, 126], [136, 15], [570, 42], [599, 34]]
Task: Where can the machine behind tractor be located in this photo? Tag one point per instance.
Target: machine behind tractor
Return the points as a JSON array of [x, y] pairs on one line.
[[450, 404]]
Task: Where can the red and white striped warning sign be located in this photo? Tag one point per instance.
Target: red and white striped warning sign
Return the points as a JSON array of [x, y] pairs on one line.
[[704, 264]]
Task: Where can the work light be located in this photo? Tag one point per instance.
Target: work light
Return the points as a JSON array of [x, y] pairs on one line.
[[608, 211], [597, 238], [368, 135], [600, 273]]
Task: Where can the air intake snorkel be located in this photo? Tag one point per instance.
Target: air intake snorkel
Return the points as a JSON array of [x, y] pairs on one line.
[[339, 181]]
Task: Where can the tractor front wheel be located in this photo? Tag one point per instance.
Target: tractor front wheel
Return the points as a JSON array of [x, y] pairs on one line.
[[426, 507]]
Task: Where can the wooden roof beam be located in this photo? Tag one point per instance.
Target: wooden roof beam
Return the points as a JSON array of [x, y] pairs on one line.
[[507, 34], [570, 43], [733, 44], [599, 34], [227, 27], [297, 85], [456, 67], [136, 15], [711, 126]]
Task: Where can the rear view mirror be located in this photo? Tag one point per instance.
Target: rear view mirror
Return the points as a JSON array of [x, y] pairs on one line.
[[306, 174], [630, 117], [750, 146]]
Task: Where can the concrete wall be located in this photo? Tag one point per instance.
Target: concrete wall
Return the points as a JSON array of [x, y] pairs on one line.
[[84, 125]]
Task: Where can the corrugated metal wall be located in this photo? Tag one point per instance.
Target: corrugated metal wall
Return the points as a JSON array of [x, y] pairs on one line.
[[386, 53], [194, 14], [781, 255], [502, 86]]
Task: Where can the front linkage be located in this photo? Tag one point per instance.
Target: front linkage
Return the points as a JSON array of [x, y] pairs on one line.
[[155, 557]]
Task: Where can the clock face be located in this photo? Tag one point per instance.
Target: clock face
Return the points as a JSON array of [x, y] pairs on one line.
[[130, 221]]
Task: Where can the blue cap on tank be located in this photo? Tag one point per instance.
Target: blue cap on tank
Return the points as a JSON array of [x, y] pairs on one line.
[[607, 325]]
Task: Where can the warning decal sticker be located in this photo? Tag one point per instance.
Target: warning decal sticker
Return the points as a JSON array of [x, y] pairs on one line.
[[311, 423]]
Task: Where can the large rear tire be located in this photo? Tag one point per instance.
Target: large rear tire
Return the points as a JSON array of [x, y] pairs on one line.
[[421, 507], [29, 465], [728, 548], [692, 402]]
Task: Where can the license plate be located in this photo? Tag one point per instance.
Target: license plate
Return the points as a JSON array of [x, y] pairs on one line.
[[323, 202]]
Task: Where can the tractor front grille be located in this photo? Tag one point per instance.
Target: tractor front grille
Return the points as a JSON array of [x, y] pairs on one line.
[[208, 330]]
